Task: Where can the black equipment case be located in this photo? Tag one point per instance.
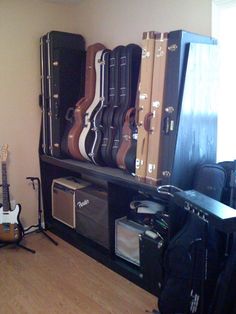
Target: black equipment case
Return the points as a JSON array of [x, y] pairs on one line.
[[62, 84], [189, 118], [152, 247]]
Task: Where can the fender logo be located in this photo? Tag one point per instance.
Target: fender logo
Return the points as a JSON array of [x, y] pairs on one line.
[[83, 203]]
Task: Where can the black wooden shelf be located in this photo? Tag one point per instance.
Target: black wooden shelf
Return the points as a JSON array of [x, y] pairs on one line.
[[112, 175], [121, 188], [100, 254]]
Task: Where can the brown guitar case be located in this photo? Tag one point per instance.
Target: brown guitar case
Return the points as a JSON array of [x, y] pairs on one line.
[[126, 138], [84, 103], [144, 104], [153, 119]]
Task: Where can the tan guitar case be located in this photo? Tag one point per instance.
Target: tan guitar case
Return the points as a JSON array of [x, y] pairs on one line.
[[144, 104], [153, 119], [84, 103]]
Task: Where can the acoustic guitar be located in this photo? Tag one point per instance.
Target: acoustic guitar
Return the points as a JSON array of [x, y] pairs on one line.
[[10, 227]]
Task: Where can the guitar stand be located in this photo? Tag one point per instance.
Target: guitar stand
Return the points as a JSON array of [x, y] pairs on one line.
[[18, 245], [39, 225]]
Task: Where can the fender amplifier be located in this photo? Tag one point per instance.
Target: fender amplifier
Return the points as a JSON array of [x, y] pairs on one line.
[[127, 233], [92, 214], [64, 199]]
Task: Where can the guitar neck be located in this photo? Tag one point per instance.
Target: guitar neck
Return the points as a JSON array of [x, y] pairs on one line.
[[5, 190]]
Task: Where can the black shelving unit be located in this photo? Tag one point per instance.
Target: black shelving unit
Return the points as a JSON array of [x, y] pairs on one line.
[[121, 188]]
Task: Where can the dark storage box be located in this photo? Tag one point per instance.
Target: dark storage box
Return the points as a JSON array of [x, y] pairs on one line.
[[92, 214]]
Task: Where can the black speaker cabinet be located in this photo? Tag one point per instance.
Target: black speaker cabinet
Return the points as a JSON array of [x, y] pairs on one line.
[[92, 214], [151, 262], [64, 199]]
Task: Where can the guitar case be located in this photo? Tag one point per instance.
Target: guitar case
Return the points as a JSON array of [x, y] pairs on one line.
[[84, 103], [44, 98], [144, 105], [126, 138], [189, 119], [87, 135], [62, 84], [152, 121], [129, 73], [94, 152], [111, 106], [130, 157]]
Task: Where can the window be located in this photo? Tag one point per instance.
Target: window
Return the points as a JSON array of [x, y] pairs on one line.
[[224, 26]]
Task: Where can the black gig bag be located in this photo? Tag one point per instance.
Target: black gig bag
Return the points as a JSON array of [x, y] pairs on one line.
[[224, 297], [191, 266], [210, 179], [62, 84]]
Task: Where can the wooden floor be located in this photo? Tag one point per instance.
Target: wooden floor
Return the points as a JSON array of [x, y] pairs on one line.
[[61, 279]]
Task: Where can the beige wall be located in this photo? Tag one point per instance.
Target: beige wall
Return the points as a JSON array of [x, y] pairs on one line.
[[22, 22], [115, 22]]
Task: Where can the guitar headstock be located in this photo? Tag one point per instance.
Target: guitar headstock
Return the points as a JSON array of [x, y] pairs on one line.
[[4, 152]]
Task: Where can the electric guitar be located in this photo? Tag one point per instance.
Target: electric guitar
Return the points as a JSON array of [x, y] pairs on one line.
[[10, 227]]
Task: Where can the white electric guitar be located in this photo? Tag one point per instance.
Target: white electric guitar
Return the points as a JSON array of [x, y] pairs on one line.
[[10, 227]]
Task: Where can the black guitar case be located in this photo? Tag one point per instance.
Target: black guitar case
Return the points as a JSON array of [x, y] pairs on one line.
[[129, 66], [44, 98], [111, 108], [97, 129], [62, 84]]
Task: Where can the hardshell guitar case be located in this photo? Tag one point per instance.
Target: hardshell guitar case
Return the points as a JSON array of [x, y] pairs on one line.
[[97, 130], [144, 104], [189, 117], [129, 73], [62, 84], [86, 136], [111, 106], [83, 104]]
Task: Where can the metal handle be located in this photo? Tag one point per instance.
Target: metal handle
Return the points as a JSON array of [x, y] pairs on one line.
[[165, 189]]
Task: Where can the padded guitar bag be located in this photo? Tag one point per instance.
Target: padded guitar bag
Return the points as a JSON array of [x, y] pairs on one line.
[[62, 84], [111, 107], [191, 266], [94, 152], [129, 73], [84, 103], [224, 297]]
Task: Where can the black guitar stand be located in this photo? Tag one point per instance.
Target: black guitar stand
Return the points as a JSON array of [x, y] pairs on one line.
[[39, 225], [17, 244]]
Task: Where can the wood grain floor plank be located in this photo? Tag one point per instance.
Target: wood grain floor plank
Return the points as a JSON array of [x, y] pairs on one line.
[[62, 279]]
